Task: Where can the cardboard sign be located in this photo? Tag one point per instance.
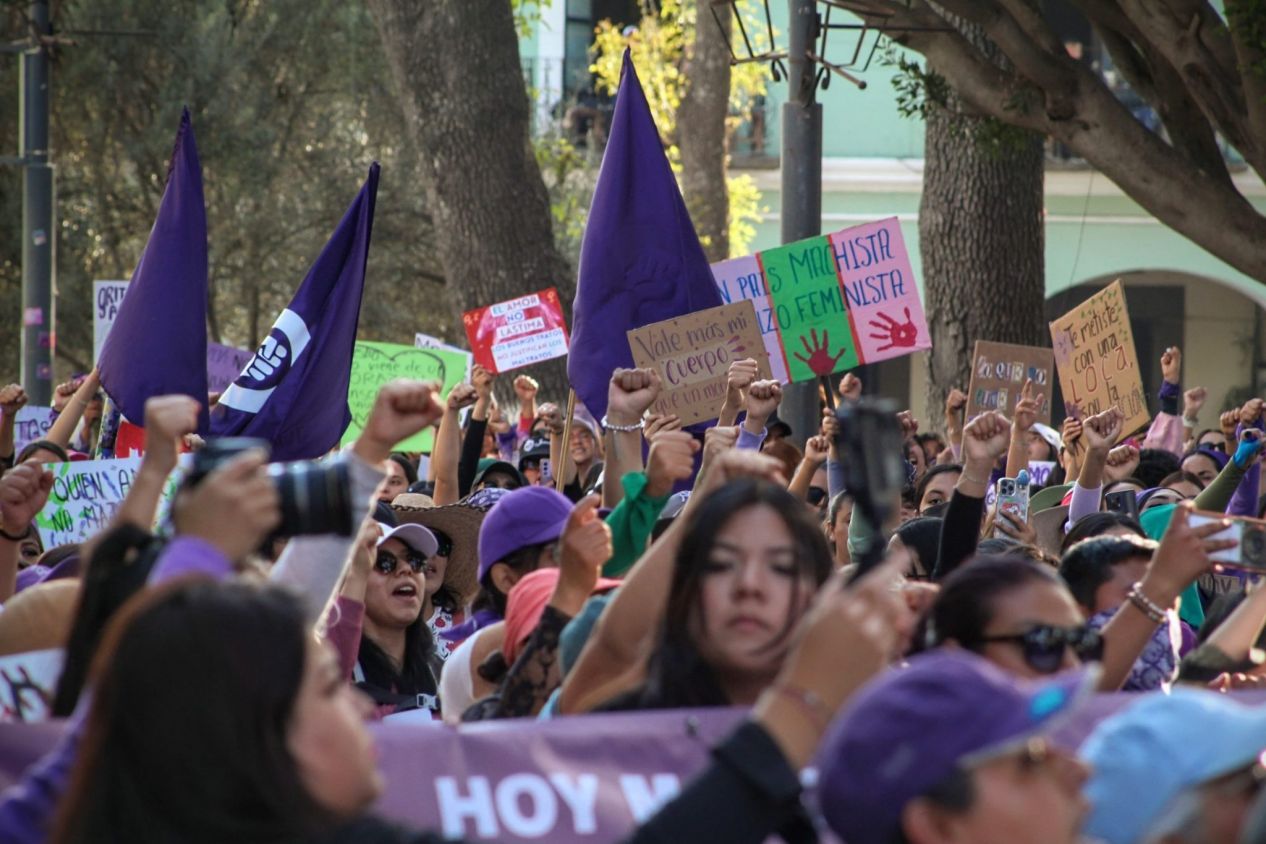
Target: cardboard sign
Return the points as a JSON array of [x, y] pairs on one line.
[[224, 364], [520, 332], [834, 301], [1098, 365], [28, 682], [998, 372], [374, 364], [84, 498], [32, 423], [107, 296], [693, 353]]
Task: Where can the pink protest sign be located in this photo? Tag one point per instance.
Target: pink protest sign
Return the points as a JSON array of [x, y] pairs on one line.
[[741, 278], [517, 333], [830, 303]]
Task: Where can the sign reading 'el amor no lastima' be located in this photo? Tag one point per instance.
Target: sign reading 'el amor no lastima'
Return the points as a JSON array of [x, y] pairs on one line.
[[693, 354], [830, 303], [517, 333], [1097, 362]]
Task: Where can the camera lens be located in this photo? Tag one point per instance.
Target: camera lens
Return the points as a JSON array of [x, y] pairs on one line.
[[315, 498]]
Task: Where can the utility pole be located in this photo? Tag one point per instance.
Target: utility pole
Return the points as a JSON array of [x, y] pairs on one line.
[[801, 180], [38, 232]]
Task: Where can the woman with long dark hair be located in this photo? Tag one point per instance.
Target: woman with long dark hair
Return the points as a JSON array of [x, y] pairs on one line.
[[750, 559], [380, 631], [256, 739]]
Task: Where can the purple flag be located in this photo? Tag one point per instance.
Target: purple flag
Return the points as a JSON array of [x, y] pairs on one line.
[[640, 260], [293, 392], [158, 343]]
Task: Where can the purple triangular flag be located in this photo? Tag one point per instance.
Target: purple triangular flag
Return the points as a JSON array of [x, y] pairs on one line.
[[640, 260], [293, 392], [158, 343]]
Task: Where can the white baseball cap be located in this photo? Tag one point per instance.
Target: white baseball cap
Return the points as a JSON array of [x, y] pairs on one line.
[[414, 536]]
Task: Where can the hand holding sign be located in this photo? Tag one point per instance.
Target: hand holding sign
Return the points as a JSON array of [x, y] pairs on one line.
[[896, 334], [12, 399], [820, 360], [23, 493], [850, 387]]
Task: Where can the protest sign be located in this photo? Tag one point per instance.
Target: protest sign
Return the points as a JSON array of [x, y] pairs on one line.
[[374, 364], [1097, 363], [84, 497], [998, 372], [31, 423], [224, 364], [28, 682], [517, 333], [426, 341], [739, 279], [834, 301], [693, 354], [107, 296]]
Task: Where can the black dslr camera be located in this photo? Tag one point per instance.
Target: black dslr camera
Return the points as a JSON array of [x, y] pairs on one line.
[[315, 497], [870, 441]]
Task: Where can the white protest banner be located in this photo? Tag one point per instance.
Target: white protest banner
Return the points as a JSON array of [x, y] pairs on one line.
[[28, 682], [31, 424], [84, 498], [106, 298]]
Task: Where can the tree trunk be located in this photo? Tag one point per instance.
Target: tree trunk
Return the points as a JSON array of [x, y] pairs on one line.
[[981, 235], [701, 132], [458, 75]]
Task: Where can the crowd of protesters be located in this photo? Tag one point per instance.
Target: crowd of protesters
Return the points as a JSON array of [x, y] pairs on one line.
[[535, 566]]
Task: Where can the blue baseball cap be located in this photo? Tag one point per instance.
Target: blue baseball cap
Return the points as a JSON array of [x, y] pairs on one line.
[[1148, 754], [910, 729]]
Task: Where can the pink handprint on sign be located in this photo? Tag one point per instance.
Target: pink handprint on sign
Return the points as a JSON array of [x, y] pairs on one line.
[[899, 334], [819, 359]]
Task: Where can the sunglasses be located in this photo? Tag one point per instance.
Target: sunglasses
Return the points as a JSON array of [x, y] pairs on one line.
[[387, 562], [445, 542], [1043, 645]]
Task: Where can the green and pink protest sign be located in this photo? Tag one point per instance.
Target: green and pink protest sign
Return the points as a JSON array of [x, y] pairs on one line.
[[830, 303]]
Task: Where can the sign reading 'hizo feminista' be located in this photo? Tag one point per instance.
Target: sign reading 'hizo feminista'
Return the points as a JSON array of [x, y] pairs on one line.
[[829, 303], [1098, 365]]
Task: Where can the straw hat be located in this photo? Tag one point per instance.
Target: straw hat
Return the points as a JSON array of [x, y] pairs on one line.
[[1049, 524], [460, 522]]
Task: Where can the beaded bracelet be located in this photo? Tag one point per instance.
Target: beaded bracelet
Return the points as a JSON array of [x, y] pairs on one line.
[[1145, 604], [622, 429]]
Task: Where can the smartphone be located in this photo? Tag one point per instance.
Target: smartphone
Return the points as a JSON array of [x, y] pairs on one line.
[[1250, 534], [1125, 502], [1013, 496]]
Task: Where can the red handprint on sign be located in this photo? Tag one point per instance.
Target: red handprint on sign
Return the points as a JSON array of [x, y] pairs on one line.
[[819, 359], [898, 333]]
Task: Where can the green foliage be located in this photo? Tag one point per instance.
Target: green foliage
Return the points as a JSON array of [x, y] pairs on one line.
[[569, 175], [921, 90], [287, 121], [658, 47]]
